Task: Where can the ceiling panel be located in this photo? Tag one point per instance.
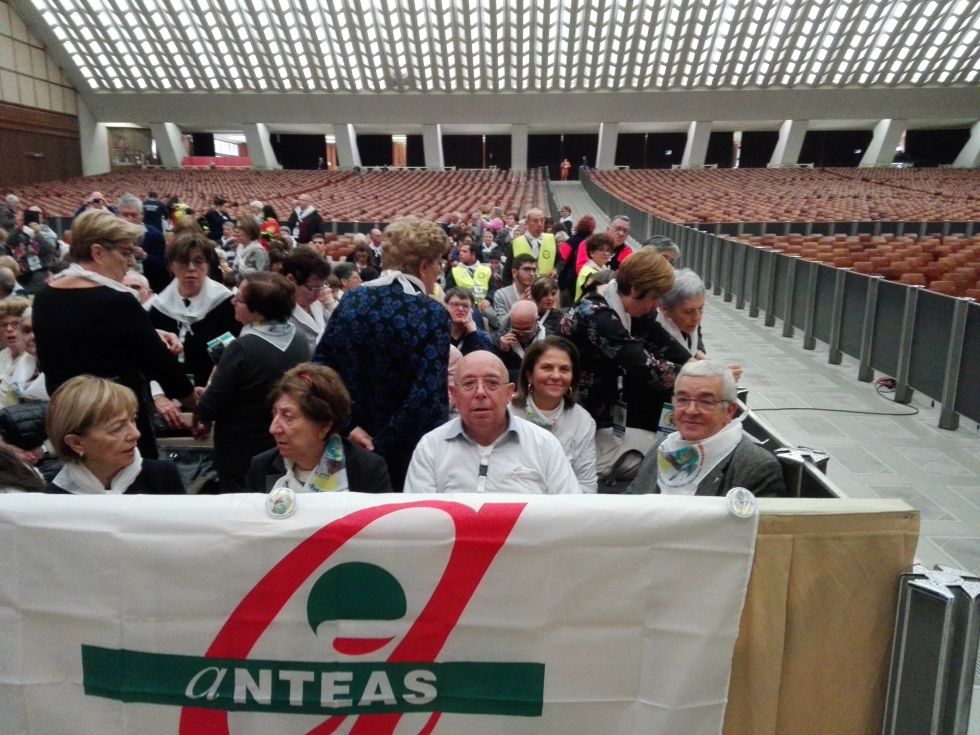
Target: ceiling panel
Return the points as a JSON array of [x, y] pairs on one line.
[[514, 45]]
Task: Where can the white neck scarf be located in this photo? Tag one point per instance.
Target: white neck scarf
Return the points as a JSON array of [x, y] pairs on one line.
[[681, 465], [546, 420], [306, 212], [78, 479], [519, 348], [277, 334], [171, 303], [410, 284], [611, 294], [686, 340], [77, 271], [330, 474], [21, 375], [313, 319]]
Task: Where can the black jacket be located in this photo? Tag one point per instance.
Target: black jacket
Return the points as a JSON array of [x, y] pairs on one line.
[[158, 477], [197, 361], [367, 472]]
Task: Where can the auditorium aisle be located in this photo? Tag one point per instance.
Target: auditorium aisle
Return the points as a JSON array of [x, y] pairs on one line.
[[572, 194], [871, 456]]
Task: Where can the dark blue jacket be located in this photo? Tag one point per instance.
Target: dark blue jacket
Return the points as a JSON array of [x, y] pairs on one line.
[[392, 351], [155, 265]]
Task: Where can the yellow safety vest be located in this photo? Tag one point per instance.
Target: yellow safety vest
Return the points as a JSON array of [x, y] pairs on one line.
[[583, 274], [481, 276], [546, 255]]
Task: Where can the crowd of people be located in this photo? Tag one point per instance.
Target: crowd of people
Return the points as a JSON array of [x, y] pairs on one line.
[[489, 353]]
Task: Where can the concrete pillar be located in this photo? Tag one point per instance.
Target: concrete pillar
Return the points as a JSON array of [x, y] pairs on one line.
[[696, 148], [94, 139], [169, 146], [791, 136], [605, 157], [432, 145], [518, 147], [881, 151], [970, 155], [260, 147], [345, 138]]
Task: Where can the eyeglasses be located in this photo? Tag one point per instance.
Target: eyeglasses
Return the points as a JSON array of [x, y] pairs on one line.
[[27, 330], [528, 269], [523, 332], [238, 300], [490, 385], [703, 404], [620, 228], [199, 263], [313, 289], [457, 306], [124, 250]]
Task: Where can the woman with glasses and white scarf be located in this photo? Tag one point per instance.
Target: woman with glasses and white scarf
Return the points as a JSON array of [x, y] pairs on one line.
[[86, 322], [308, 271]]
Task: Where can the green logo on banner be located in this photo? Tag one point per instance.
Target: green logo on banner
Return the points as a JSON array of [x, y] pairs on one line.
[[305, 687]]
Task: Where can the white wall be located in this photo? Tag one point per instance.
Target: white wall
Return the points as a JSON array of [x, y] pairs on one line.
[[28, 76]]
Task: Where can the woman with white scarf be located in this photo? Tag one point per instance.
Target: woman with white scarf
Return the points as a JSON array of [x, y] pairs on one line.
[[92, 426], [680, 313], [547, 390], [250, 366], [250, 253], [86, 322], [27, 380], [308, 271], [193, 307], [310, 405]]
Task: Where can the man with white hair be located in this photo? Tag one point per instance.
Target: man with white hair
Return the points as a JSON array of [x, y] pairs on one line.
[[485, 448], [375, 244], [305, 221], [8, 213], [153, 246], [96, 201], [709, 454], [536, 242], [524, 331]]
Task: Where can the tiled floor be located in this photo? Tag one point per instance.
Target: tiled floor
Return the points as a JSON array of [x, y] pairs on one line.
[[893, 456]]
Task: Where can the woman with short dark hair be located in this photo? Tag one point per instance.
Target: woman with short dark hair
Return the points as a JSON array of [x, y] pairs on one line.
[[599, 248], [308, 271], [193, 306], [236, 398], [547, 395], [250, 253], [310, 407]]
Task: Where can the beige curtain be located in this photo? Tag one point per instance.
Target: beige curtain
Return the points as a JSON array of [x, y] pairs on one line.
[[813, 650]]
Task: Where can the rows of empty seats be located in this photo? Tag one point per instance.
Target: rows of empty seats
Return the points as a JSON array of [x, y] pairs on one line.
[[377, 196], [949, 265], [799, 195]]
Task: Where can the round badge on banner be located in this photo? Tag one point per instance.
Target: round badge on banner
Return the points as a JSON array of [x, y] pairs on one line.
[[741, 502], [281, 502]]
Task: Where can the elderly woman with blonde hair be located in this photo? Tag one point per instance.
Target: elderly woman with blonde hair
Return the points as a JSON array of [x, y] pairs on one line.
[[92, 427], [87, 322], [389, 341]]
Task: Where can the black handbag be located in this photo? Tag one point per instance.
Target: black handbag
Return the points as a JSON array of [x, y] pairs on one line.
[[22, 425]]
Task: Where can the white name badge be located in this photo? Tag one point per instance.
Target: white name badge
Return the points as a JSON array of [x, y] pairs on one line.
[[666, 424], [619, 419]]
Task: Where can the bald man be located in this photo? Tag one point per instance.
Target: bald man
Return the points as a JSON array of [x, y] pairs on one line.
[[537, 243], [485, 448], [523, 332]]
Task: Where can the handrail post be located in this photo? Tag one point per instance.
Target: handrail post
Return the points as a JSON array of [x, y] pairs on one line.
[[729, 248], [716, 252], [903, 392], [948, 418], [740, 256], [771, 293], [756, 278], [835, 356], [788, 330], [865, 372], [809, 341]]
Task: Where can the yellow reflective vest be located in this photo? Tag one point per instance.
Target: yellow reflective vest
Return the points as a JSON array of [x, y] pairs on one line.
[[478, 283], [547, 254]]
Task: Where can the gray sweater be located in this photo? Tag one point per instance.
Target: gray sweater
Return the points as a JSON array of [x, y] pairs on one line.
[[749, 466]]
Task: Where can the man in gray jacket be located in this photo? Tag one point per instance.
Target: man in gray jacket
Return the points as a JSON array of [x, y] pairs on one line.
[[708, 454]]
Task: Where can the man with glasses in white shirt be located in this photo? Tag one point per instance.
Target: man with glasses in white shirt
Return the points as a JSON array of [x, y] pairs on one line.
[[486, 448], [709, 454]]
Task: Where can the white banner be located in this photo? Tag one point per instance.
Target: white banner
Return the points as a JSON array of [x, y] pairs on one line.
[[369, 615]]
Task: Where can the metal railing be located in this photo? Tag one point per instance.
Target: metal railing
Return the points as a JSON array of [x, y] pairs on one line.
[[928, 342]]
